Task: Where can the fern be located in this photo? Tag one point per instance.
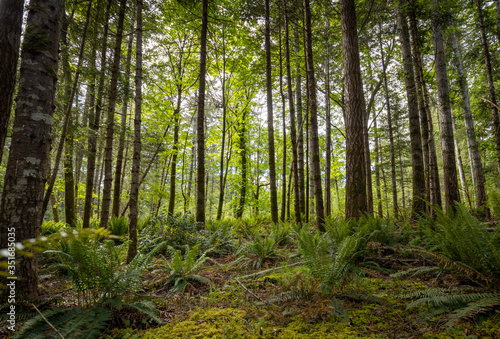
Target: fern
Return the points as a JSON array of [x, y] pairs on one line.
[[416, 271]]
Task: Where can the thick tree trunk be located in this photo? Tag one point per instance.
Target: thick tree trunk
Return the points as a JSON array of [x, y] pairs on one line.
[[489, 76], [110, 118], [293, 132], [95, 118], [451, 191], [471, 134], [29, 161], [389, 123], [115, 209], [316, 169], [418, 203], [355, 111], [200, 123], [11, 17], [270, 121], [136, 162]]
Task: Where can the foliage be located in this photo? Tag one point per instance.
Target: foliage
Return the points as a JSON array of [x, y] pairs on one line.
[[50, 227], [459, 305], [494, 201], [259, 250], [180, 271], [118, 226], [464, 244]]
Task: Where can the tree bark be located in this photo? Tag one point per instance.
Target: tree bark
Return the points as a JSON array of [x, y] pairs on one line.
[[283, 109], [243, 155], [293, 132], [11, 17], [489, 76], [452, 194], [29, 161], [110, 118], [270, 121], [328, 150], [355, 111], [389, 123], [136, 158], [224, 113], [95, 119], [313, 110], [175, 150], [200, 123], [471, 134], [115, 209], [418, 203]]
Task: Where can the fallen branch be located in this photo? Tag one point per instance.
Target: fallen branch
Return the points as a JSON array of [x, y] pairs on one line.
[[250, 292], [48, 323], [253, 275]]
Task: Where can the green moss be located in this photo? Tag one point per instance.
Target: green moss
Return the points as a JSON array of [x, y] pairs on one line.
[[35, 40]]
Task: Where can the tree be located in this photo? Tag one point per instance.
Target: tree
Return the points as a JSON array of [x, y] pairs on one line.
[[313, 111], [136, 162], [355, 112], [451, 192], [29, 161], [418, 203], [11, 15], [200, 120]]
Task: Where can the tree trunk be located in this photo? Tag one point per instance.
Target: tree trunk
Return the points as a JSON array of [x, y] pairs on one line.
[[452, 194], [283, 110], [29, 160], [316, 169], [489, 76], [110, 118], [460, 165], [377, 167], [270, 121], [115, 209], [293, 132], [243, 155], [389, 123], [136, 158], [224, 113], [175, 150], [95, 118], [418, 203], [355, 111], [328, 150], [200, 126], [471, 134], [11, 17]]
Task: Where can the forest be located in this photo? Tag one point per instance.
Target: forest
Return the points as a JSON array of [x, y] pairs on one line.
[[249, 169]]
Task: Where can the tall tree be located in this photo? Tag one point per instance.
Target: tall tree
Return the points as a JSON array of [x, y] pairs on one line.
[[28, 163], [489, 77], [300, 127], [136, 162], [110, 117], [452, 195], [313, 111], [355, 111], [11, 16], [328, 150], [270, 119], [418, 203], [200, 120], [471, 134], [293, 132]]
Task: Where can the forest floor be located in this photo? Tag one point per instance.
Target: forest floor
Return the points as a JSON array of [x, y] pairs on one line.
[[285, 302]]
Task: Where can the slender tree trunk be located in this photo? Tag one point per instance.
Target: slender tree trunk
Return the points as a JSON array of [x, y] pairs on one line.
[[471, 134], [115, 209], [316, 170], [110, 118], [489, 76], [67, 116], [293, 132], [300, 127], [224, 113], [11, 17], [69, 179], [175, 151], [283, 105], [418, 203], [355, 111], [460, 165], [95, 118], [328, 150], [200, 135], [136, 162], [270, 121], [55, 211], [377, 167], [389, 123], [497, 5], [243, 156], [29, 159], [452, 194]]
